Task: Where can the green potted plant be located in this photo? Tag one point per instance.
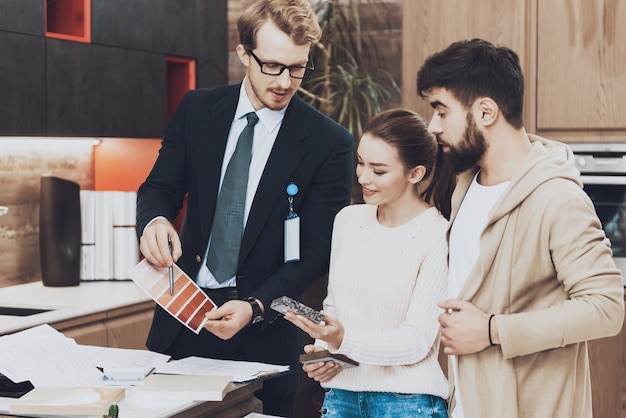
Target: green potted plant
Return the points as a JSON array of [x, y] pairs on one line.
[[350, 83]]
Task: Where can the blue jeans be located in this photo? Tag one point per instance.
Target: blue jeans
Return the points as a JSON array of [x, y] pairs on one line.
[[340, 403]]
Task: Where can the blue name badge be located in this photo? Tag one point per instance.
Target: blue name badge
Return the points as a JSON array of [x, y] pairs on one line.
[[292, 228]]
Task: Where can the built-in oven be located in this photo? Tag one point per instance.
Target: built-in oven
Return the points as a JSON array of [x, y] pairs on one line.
[[603, 172]]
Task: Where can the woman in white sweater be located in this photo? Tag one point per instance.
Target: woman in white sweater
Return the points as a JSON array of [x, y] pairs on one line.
[[388, 270]]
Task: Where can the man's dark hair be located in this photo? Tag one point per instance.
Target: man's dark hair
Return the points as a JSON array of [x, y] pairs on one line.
[[476, 68]]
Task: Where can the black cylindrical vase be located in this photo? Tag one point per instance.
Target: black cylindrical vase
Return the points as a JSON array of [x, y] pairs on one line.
[[59, 232]]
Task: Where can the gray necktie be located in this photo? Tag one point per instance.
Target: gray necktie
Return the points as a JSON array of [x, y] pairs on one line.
[[228, 219]]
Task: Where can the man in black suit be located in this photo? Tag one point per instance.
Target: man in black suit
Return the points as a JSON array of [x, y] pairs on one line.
[[293, 144]]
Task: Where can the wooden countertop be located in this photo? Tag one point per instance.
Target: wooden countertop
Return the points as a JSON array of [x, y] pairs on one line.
[[65, 303]]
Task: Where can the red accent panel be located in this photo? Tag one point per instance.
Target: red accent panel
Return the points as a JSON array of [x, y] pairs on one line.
[[124, 163], [181, 77], [68, 19]]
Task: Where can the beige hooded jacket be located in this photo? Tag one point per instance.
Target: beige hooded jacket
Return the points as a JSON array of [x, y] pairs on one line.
[[546, 270]]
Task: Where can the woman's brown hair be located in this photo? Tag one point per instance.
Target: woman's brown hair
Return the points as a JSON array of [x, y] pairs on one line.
[[407, 132]]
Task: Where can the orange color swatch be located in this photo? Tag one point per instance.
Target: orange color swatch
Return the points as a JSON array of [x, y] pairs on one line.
[[188, 304]]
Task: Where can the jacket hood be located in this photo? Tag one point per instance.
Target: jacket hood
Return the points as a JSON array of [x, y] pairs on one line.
[[546, 160]]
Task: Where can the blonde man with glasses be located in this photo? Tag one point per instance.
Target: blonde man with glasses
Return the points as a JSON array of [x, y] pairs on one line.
[[292, 144]]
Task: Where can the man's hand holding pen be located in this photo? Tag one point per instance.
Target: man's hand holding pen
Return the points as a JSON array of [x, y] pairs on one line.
[[155, 243]]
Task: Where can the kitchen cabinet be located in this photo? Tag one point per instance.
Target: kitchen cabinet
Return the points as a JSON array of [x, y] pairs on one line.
[[104, 313], [113, 86], [429, 26], [581, 66], [571, 52], [125, 327]]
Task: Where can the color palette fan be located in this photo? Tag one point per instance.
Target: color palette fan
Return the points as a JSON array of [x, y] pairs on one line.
[[188, 304]]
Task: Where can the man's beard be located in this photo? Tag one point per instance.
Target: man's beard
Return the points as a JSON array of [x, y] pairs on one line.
[[470, 149], [262, 97]]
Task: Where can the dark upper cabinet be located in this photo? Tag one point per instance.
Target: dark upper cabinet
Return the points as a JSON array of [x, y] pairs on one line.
[[163, 26], [96, 90], [22, 16], [22, 84], [212, 64], [116, 83]]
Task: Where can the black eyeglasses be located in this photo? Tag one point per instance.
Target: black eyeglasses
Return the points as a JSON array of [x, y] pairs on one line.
[[276, 69]]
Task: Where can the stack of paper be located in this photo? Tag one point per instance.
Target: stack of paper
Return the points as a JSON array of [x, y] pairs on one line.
[[49, 359], [241, 371], [46, 358]]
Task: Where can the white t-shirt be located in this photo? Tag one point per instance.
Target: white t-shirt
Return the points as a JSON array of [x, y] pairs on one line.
[[465, 234]]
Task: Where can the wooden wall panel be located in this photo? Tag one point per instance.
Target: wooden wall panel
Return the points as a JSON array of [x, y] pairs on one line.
[[236, 70], [22, 163]]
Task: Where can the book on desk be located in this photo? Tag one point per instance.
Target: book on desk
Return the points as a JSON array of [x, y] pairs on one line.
[[181, 387], [67, 401]]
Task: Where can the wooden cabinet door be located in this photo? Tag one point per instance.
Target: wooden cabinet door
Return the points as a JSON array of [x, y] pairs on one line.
[[429, 26], [581, 65], [130, 331], [89, 334]]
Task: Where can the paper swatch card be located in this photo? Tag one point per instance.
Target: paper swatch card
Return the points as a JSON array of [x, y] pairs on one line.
[[188, 304]]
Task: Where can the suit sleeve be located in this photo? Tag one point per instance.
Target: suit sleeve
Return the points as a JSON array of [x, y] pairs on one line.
[[163, 191]]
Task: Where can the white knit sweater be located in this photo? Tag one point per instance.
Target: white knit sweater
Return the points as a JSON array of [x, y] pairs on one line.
[[384, 284]]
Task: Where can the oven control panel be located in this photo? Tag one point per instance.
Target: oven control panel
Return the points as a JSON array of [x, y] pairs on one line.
[[600, 158], [601, 164]]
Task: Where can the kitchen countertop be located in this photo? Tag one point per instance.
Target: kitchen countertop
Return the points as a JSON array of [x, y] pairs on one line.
[[65, 302]]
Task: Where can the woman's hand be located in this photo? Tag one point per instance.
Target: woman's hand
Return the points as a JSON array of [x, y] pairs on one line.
[[321, 371], [331, 330]]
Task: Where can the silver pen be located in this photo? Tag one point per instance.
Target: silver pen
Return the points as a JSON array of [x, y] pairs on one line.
[[171, 269]]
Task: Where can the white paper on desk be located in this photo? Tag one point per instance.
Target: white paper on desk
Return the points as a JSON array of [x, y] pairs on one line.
[[46, 358], [241, 371], [120, 362], [123, 357]]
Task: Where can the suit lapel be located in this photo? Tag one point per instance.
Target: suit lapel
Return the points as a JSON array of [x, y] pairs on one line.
[[212, 137], [288, 151]]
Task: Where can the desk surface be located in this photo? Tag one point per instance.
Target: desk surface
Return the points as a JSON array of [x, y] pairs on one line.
[[238, 402], [90, 298], [65, 302]]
